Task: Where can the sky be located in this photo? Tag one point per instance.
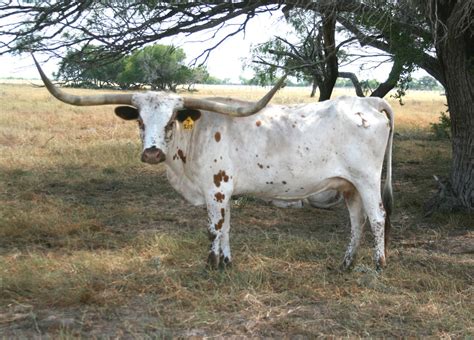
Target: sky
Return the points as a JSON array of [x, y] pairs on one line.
[[226, 61]]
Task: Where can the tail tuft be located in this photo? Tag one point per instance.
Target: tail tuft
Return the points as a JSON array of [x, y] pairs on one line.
[[387, 198]]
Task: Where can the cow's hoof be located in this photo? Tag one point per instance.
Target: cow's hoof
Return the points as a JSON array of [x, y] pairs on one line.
[[213, 261], [225, 263], [348, 262], [211, 236], [380, 264]]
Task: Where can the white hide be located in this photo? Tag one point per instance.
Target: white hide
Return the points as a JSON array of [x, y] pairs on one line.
[[282, 152], [156, 109]]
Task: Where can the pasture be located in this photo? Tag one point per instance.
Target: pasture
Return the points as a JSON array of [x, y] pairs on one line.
[[94, 243]]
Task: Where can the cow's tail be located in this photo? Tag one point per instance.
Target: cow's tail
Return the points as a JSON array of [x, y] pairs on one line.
[[387, 192]]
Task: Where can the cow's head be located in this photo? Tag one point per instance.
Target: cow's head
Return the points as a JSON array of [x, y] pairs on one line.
[[156, 111]]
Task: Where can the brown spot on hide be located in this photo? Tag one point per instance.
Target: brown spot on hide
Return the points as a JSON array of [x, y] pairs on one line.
[[219, 177], [221, 221], [181, 155], [258, 123], [284, 182], [293, 125], [268, 166], [219, 197], [215, 160], [260, 165], [217, 136]]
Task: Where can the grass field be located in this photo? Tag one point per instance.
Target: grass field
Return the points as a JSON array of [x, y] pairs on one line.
[[94, 243]]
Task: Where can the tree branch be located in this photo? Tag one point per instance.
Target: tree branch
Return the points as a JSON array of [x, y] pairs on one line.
[[355, 82], [427, 62]]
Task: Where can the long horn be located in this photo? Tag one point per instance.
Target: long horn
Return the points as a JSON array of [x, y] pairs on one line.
[[103, 99], [233, 110]]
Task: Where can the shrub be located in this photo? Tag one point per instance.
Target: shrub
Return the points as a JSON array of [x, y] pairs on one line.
[[442, 129]]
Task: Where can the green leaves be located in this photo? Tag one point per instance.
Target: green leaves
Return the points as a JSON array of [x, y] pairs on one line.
[[160, 67]]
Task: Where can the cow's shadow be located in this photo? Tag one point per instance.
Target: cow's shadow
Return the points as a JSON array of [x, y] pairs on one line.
[[102, 207]]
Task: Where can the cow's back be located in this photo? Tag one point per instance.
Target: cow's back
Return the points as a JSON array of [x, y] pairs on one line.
[[288, 151]]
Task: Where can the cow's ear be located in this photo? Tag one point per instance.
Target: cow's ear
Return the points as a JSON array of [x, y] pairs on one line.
[[127, 112], [182, 115]]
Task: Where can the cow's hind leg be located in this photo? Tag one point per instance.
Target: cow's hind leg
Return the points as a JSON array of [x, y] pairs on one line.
[[375, 211], [218, 209], [357, 217]]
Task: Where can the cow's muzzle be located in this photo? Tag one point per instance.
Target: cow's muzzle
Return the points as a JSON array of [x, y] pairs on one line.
[[153, 155]]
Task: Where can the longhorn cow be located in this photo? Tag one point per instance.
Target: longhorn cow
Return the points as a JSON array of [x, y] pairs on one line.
[[219, 147]]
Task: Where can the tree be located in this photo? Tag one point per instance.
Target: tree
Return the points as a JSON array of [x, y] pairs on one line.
[[427, 83], [158, 66], [198, 75], [75, 68], [313, 57], [452, 25], [437, 35]]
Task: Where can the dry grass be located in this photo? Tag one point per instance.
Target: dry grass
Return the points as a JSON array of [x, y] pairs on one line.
[[94, 243]]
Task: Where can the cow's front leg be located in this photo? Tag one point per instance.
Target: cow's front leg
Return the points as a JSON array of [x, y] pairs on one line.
[[218, 209]]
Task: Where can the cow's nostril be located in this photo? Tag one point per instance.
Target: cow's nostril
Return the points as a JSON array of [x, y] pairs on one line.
[[152, 155]]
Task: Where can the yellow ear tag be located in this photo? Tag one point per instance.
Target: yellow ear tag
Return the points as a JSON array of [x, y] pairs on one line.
[[188, 123]]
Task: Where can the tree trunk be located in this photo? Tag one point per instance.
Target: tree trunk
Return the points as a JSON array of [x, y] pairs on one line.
[[392, 80], [314, 87], [355, 82], [331, 62], [325, 91], [460, 96], [456, 54]]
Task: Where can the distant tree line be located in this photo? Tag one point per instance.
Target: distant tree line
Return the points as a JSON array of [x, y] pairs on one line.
[[426, 83], [159, 67]]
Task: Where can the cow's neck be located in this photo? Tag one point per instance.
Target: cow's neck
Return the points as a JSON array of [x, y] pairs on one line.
[[178, 149]]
